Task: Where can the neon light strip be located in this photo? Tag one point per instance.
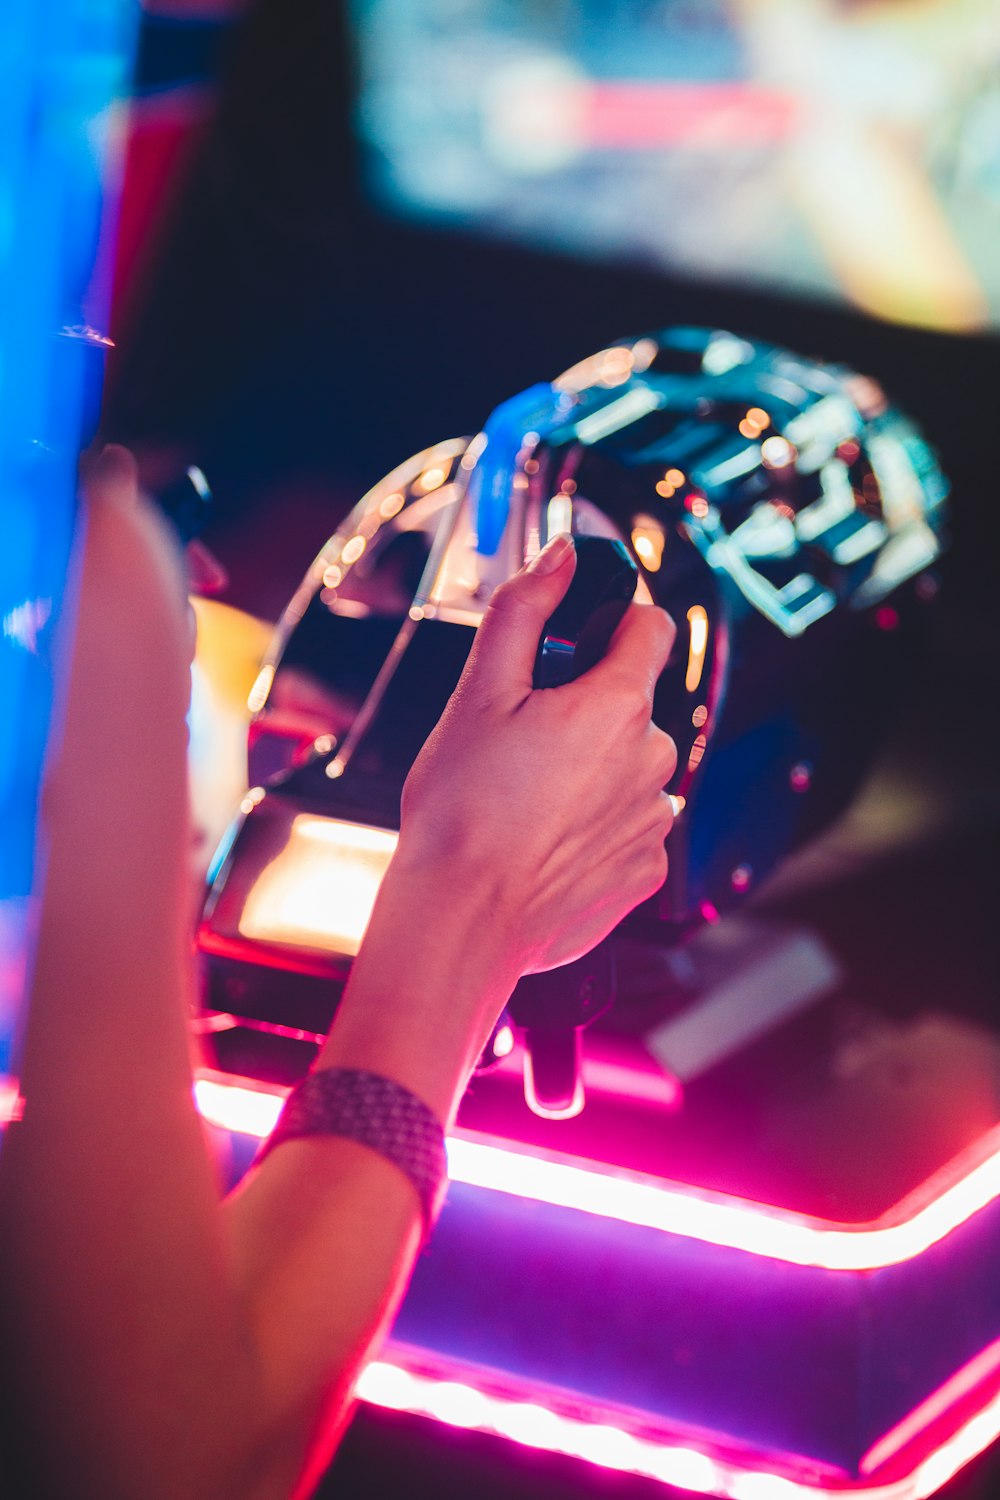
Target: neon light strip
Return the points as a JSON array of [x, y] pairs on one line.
[[597, 1440], [984, 1365], [689, 1212]]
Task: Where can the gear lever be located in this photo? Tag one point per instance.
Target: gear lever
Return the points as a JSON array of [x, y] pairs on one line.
[[554, 1007]]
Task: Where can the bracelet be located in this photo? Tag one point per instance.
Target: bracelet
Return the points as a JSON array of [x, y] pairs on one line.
[[378, 1113]]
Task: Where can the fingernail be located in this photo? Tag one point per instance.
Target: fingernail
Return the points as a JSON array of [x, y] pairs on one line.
[[552, 555], [677, 804], [115, 462], [109, 474]]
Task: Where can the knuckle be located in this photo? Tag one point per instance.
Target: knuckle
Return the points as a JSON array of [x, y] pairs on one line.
[[660, 630], [665, 753], [653, 867]]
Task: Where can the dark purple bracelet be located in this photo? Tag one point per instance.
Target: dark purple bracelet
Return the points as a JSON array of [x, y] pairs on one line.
[[378, 1113]]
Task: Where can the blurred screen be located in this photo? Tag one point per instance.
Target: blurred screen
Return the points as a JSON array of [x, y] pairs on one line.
[[63, 75], [835, 148]]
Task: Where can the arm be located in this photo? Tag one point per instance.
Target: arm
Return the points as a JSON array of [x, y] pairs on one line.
[[195, 1351]]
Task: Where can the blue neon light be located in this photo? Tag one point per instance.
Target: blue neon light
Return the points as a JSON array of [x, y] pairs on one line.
[[64, 65]]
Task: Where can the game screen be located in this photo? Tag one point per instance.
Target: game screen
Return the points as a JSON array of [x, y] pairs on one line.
[[840, 149]]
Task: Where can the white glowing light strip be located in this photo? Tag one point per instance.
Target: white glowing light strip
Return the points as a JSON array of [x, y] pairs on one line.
[[865, 539], [714, 1218], [720, 1220], [984, 1366], [723, 556], [599, 1441], [11, 1103], [628, 408], [247, 1111]]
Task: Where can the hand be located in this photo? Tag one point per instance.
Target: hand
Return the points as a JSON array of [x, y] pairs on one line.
[[548, 803]]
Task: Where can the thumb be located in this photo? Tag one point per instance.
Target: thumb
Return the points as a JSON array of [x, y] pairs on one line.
[[503, 654]]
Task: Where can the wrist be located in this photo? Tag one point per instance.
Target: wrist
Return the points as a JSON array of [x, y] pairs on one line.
[[435, 969]]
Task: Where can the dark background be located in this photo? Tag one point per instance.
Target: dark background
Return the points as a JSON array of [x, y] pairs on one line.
[[298, 344]]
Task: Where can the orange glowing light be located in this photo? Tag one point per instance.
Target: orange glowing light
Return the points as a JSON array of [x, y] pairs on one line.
[[318, 892], [697, 617], [648, 540], [665, 489], [700, 716], [353, 549], [431, 479], [676, 477], [697, 752], [391, 505]]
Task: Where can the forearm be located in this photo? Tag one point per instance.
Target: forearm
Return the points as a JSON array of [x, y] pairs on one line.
[[325, 1232]]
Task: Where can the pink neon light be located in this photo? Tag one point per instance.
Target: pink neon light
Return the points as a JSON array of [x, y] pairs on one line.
[[947, 1396], [599, 1437], [689, 1212], [635, 115]]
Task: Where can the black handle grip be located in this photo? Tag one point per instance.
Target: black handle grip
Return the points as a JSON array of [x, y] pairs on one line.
[[578, 631], [554, 1007]]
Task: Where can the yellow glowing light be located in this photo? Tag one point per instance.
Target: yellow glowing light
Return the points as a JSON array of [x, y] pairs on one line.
[[262, 686], [777, 453], [250, 801], [698, 624], [755, 421], [391, 505], [648, 541], [675, 477], [697, 752], [665, 489], [353, 549], [644, 351], [320, 890], [615, 366], [332, 576], [431, 479], [700, 716]]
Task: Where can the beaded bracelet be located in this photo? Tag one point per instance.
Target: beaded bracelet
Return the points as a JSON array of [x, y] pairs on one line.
[[378, 1113]]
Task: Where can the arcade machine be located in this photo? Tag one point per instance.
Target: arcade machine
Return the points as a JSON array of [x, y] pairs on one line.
[[708, 1223]]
